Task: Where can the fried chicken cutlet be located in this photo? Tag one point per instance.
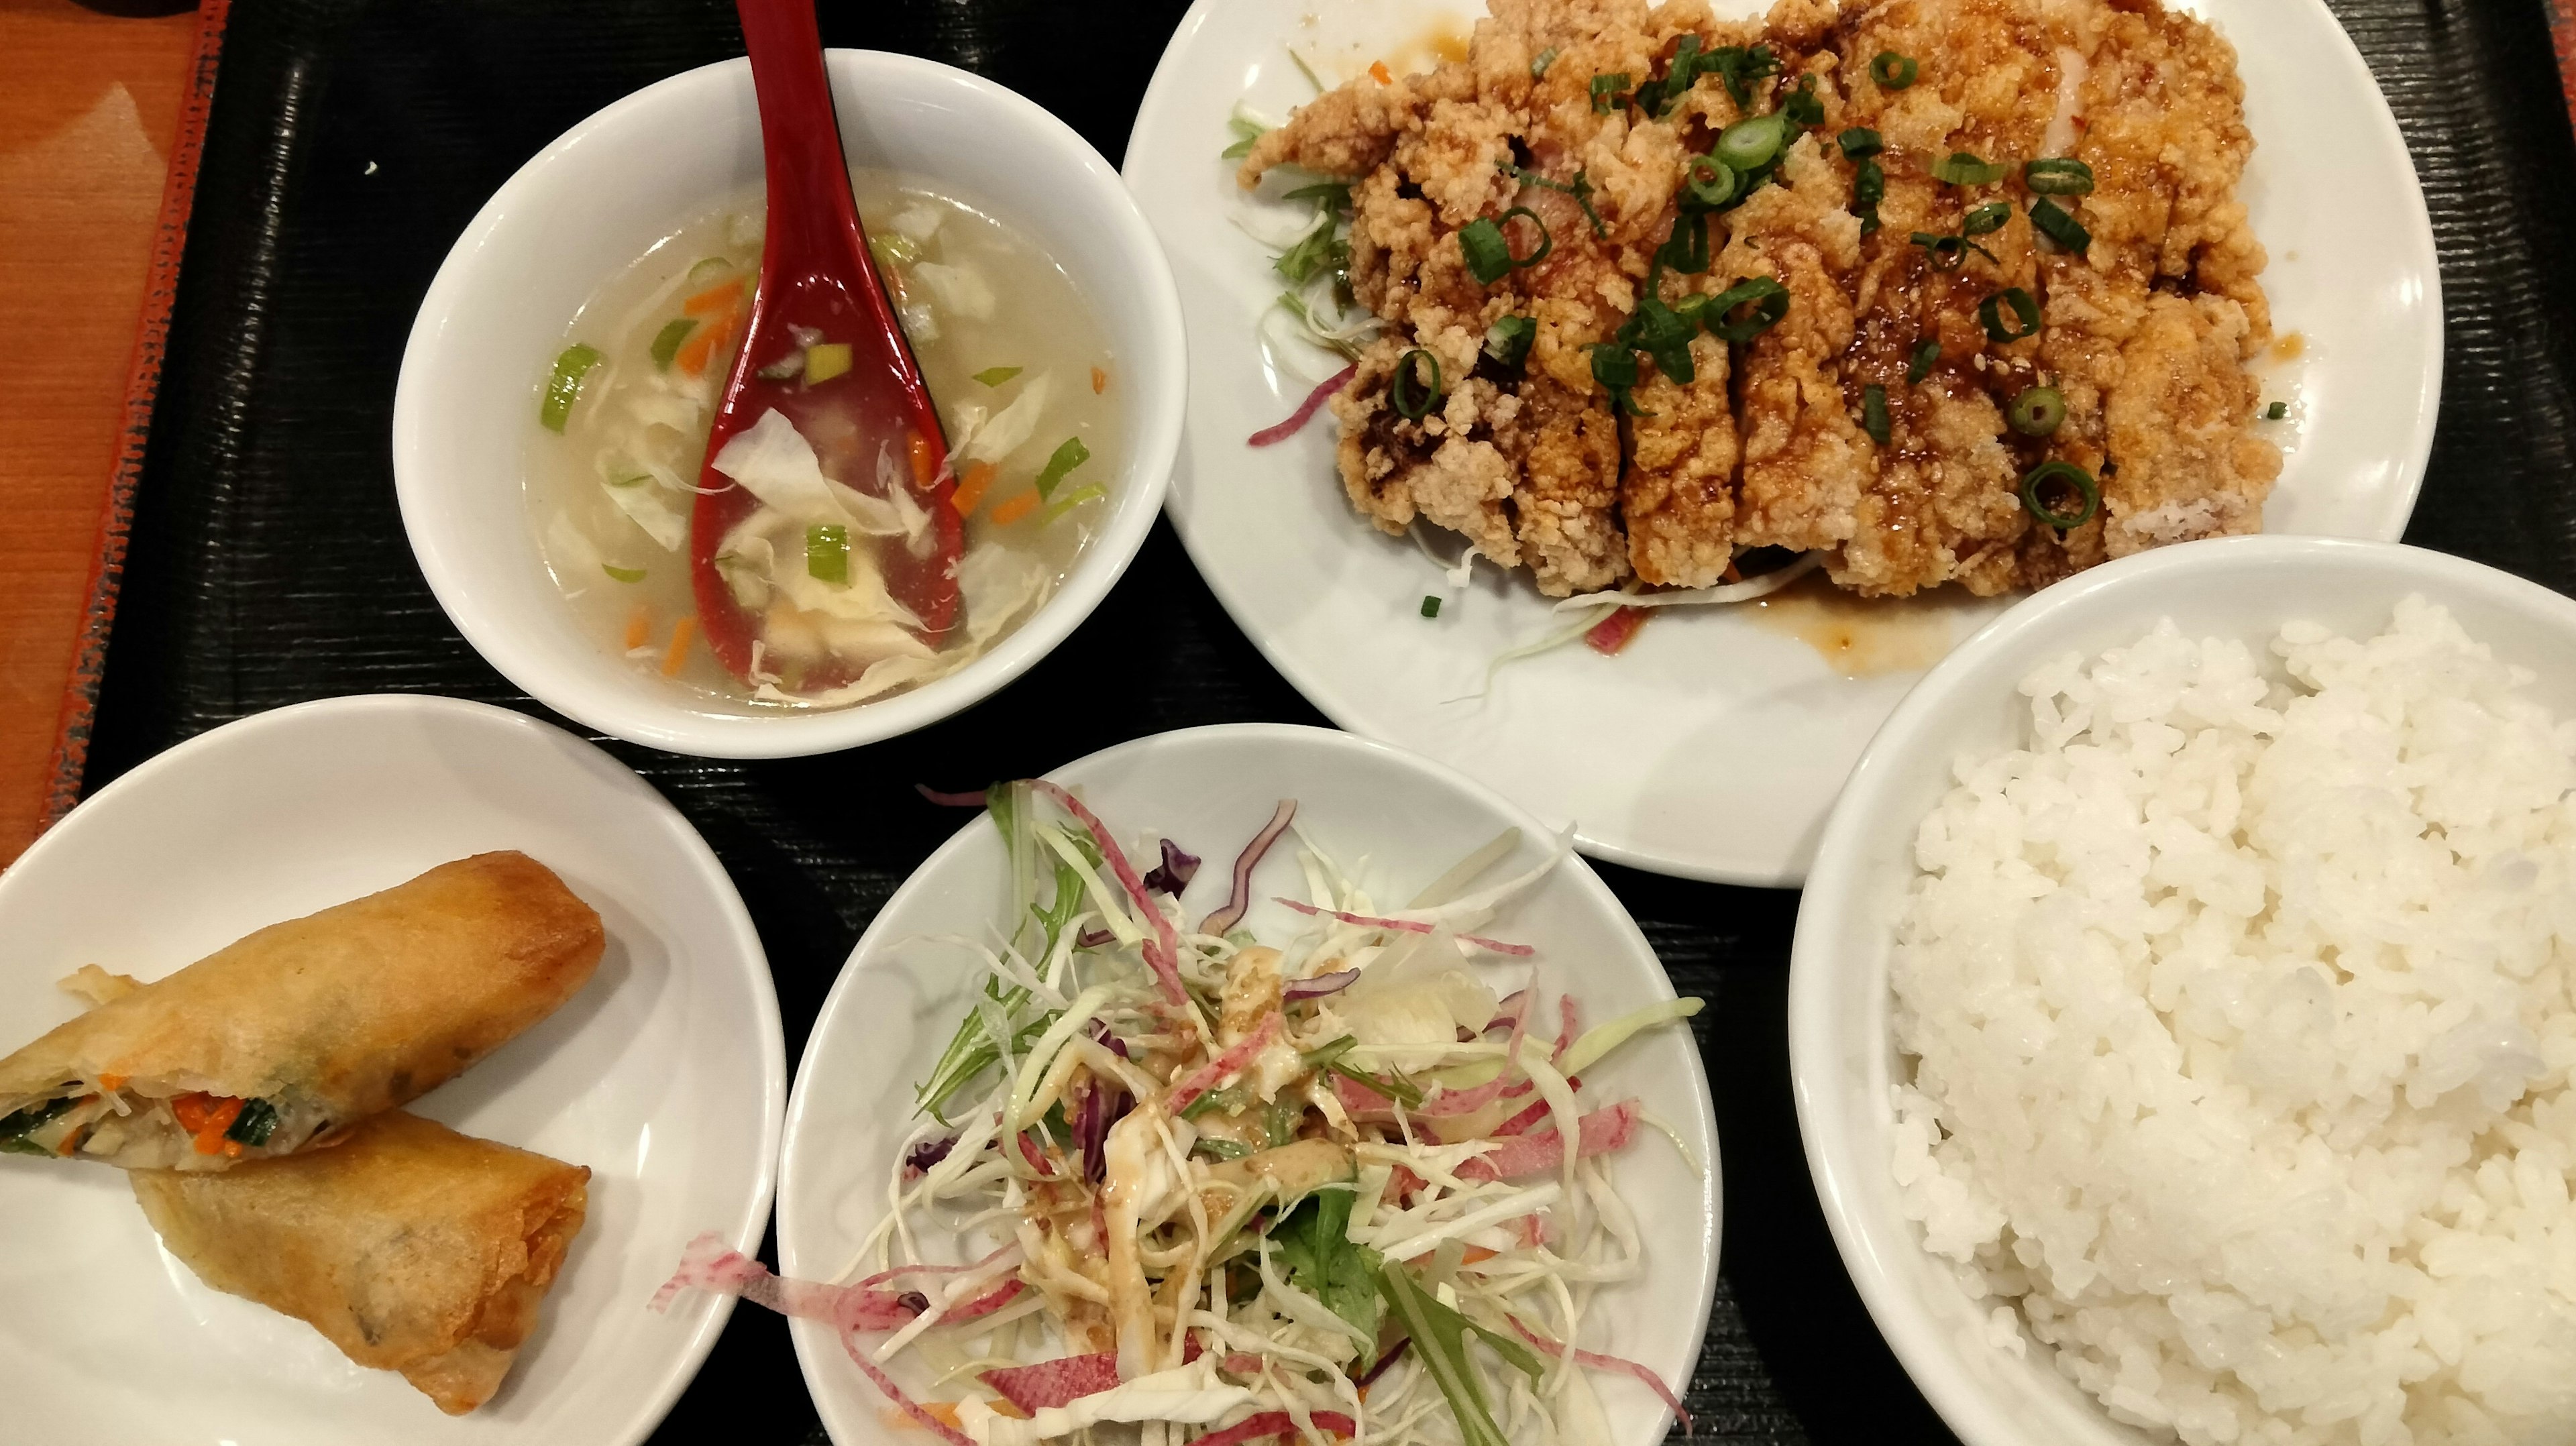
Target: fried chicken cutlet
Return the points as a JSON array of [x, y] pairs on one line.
[[1864, 341]]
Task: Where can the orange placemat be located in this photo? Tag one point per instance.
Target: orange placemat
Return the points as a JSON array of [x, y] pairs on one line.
[[143, 376]]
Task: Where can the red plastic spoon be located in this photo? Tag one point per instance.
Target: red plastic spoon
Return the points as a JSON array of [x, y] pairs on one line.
[[816, 277]]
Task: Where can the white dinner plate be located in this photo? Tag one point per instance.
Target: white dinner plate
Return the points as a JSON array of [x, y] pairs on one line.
[[1713, 746], [664, 1075], [1400, 821]]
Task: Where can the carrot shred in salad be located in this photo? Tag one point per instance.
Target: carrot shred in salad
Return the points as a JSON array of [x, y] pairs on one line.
[[1333, 1187]]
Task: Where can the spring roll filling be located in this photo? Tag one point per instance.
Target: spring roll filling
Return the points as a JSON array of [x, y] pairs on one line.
[[187, 1131]]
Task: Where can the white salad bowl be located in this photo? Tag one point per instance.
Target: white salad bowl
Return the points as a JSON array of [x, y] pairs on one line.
[[1398, 821], [1843, 1059], [624, 179]]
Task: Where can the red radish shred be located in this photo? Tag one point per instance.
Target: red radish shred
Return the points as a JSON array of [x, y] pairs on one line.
[[974, 799], [1603, 1130], [894, 1393], [1600, 1362], [1459, 1102], [710, 1265], [1163, 951], [1403, 926], [1241, 899], [987, 1303], [1616, 631], [1058, 1382], [1536, 1112], [1236, 1057], [1305, 412], [1567, 1027]]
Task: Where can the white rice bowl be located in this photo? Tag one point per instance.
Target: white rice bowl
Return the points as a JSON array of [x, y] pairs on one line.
[[2238, 1011]]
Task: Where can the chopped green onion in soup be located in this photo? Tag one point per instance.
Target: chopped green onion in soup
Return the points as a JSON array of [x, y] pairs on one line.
[[619, 458]]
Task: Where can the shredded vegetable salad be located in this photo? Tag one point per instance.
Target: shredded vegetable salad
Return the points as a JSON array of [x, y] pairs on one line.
[[1333, 1186]]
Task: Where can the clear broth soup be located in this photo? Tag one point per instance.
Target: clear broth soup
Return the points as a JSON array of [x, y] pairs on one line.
[[1022, 377]]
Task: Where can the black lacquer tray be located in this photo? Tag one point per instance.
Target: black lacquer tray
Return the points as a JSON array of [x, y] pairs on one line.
[[352, 139]]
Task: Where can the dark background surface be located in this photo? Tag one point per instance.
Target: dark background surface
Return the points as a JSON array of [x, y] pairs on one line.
[[269, 565]]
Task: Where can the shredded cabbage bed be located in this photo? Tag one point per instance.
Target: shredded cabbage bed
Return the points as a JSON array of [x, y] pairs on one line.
[[1335, 1186]]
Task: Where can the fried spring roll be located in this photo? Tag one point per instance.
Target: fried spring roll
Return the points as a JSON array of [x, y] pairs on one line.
[[411, 1247], [272, 1043]]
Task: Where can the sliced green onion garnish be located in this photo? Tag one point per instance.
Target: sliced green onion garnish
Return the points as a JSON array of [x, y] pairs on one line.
[[256, 1122], [666, 342], [1615, 368], [1068, 455], [1750, 144], [1801, 108], [2037, 412], [1546, 243], [825, 360], [1707, 183], [1508, 340], [894, 248], [1768, 298], [1608, 91], [1430, 606], [2278, 411], [563, 387], [1071, 500], [2059, 225], [1413, 397], [1489, 253], [1869, 187], [1860, 143], [1541, 61], [622, 574], [2058, 176], [1960, 168], [1741, 67], [827, 553], [1926, 357], [1662, 333], [1245, 132], [995, 376], [1950, 252], [2025, 310], [1580, 188], [1220, 1149], [1686, 250], [1873, 414], [1656, 97], [1893, 71], [1987, 219], [2065, 474]]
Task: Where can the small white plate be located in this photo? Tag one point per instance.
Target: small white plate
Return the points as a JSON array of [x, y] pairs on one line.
[[1713, 746], [664, 1075], [1400, 821]]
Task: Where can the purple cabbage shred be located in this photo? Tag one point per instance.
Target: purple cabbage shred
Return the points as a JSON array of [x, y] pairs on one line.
[[1175, 872], [1320, 985]]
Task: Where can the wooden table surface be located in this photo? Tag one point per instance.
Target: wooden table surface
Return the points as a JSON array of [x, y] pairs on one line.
[[90, 109]]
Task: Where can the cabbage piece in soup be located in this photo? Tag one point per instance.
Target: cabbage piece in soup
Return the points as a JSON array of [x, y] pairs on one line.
[[1022, 376]]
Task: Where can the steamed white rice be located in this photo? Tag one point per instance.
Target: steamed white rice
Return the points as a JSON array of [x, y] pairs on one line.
[[2239, 1021]]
